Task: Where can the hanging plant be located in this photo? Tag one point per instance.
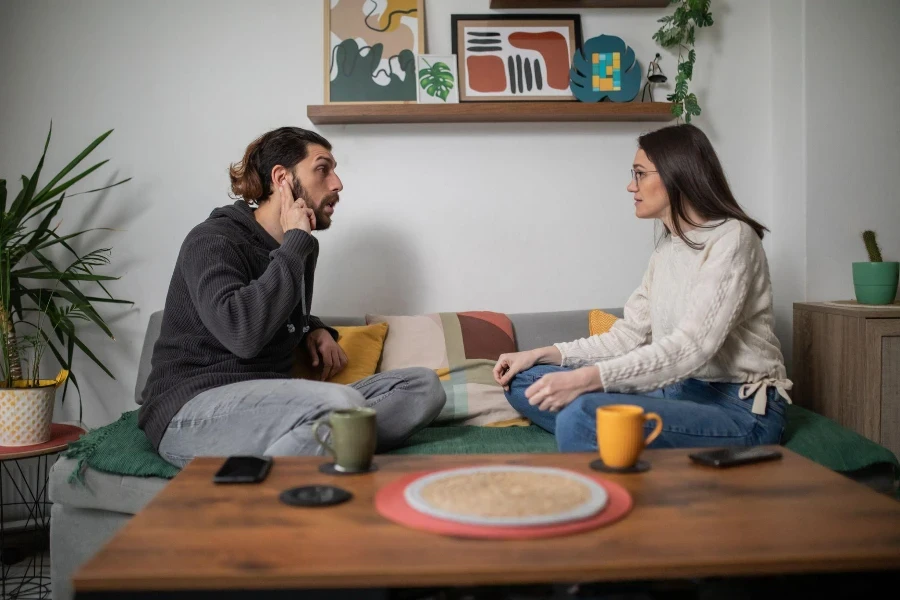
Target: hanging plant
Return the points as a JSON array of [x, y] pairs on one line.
[[678, 30]]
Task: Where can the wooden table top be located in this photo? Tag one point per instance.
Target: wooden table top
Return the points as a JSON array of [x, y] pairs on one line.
[[786, 516]]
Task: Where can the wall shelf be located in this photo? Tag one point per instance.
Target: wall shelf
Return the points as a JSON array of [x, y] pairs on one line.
[[529, 4], [488, 112]]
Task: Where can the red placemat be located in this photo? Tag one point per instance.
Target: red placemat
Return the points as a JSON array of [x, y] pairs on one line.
[[390, 502], [60, 436]]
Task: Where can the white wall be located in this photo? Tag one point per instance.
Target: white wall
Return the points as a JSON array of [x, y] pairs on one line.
[[853, 138], [506, 217], [786, 245]]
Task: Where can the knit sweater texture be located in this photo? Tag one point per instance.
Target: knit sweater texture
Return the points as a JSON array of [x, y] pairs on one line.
[[705, 314]]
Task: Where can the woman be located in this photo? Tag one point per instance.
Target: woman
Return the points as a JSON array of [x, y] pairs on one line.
[[696, 344]]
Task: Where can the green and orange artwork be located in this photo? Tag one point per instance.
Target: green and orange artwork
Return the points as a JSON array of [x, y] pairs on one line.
[[372, 50]]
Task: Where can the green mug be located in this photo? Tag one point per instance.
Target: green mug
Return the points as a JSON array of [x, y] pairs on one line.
[[353, 438]]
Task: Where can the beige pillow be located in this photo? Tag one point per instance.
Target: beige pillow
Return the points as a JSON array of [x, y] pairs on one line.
[[462, 348]]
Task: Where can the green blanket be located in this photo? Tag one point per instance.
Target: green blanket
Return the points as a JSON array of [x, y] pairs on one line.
[[122, 449]]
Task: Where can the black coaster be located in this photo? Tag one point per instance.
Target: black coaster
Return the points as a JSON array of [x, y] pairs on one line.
[[330, 469], [315, 495], [639, 467]]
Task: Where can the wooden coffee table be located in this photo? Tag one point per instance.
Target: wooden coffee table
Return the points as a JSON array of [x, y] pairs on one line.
[[688, 521]]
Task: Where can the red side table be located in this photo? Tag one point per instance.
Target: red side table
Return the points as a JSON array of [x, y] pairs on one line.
[[33, 583]]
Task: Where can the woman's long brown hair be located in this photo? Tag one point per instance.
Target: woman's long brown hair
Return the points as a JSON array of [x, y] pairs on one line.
[[692, 174]]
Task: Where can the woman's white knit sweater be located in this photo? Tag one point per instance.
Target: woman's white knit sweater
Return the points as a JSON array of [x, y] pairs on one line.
[[704, 314]]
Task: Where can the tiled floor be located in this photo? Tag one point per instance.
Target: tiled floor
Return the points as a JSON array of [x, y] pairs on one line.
[[28, 579]]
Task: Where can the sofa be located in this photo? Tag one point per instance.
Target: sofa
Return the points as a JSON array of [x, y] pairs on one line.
[[88, 511]]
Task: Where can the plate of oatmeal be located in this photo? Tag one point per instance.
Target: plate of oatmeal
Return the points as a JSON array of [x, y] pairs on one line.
[[507, 495]]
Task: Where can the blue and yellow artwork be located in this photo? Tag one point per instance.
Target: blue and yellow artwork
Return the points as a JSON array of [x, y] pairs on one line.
[[605, 67], [607, 71]]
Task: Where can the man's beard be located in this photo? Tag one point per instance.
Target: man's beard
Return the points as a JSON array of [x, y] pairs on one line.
[[323, 221]]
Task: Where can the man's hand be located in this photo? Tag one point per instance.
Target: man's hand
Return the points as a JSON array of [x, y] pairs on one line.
[[555, 391], [294, 212], [325, 351]]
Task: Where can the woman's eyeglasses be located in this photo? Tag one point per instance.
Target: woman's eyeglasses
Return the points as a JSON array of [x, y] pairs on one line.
[[638, 175]]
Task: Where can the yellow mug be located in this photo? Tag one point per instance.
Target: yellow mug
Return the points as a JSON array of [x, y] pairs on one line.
[[620, 433]]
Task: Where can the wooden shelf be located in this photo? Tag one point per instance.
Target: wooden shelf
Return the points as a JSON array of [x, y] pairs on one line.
[[488, 112], [528, 4]]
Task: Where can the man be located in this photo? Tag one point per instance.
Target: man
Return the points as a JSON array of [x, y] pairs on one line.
[[237, 307]]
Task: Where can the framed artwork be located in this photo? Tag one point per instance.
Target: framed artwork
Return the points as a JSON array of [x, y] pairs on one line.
[[371, 48], [438, 80], [515, 57]]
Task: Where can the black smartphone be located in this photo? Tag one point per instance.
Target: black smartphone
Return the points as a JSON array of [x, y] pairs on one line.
[[243, 469], [730, 457]]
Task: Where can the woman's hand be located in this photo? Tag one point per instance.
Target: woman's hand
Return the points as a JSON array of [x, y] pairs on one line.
[[555, 391], [509, 365]]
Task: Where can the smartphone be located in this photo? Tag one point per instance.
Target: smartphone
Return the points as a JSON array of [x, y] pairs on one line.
[[243, 469], [730, 457]]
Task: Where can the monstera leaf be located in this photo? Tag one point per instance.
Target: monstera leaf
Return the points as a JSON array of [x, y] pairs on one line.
[[436, 80], [581, 77]]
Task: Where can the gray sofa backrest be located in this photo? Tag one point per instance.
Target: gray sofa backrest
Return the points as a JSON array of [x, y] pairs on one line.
[[533, 330]]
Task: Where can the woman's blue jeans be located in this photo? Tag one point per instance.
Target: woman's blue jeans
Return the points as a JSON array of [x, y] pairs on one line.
[[694, 414]]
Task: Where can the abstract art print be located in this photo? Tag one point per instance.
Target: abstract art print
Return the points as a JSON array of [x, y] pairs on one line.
[[515, 57], [438, 81], [371, 48]]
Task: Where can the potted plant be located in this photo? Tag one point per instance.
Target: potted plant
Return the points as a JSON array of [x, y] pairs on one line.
[[42, 297], [875, 281]]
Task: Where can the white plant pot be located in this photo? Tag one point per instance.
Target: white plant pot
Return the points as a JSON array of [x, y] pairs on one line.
[[26, 414]]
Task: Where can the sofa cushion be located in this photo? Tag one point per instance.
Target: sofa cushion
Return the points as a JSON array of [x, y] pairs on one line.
[[462, 348], [99, 490], [600, 321]]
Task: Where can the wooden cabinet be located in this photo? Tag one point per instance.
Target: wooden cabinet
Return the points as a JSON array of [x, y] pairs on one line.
[[847, 366]]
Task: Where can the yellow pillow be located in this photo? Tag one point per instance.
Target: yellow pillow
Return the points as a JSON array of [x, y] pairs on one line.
[[600, 322], [362, 344]]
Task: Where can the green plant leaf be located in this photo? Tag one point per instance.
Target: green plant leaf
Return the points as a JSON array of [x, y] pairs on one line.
[[105, 187], [65, 276], [89, 354], [59, 239], [2, 197], [75, 254], [691, 106], [23, 201], [46, 197], [680, 86], [65, 364], [74, 162]]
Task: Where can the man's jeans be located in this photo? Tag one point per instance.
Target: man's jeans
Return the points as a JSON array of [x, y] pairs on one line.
[[275, 417], [694, 414]]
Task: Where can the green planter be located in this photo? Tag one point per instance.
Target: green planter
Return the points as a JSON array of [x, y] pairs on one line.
[[875, 282]]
